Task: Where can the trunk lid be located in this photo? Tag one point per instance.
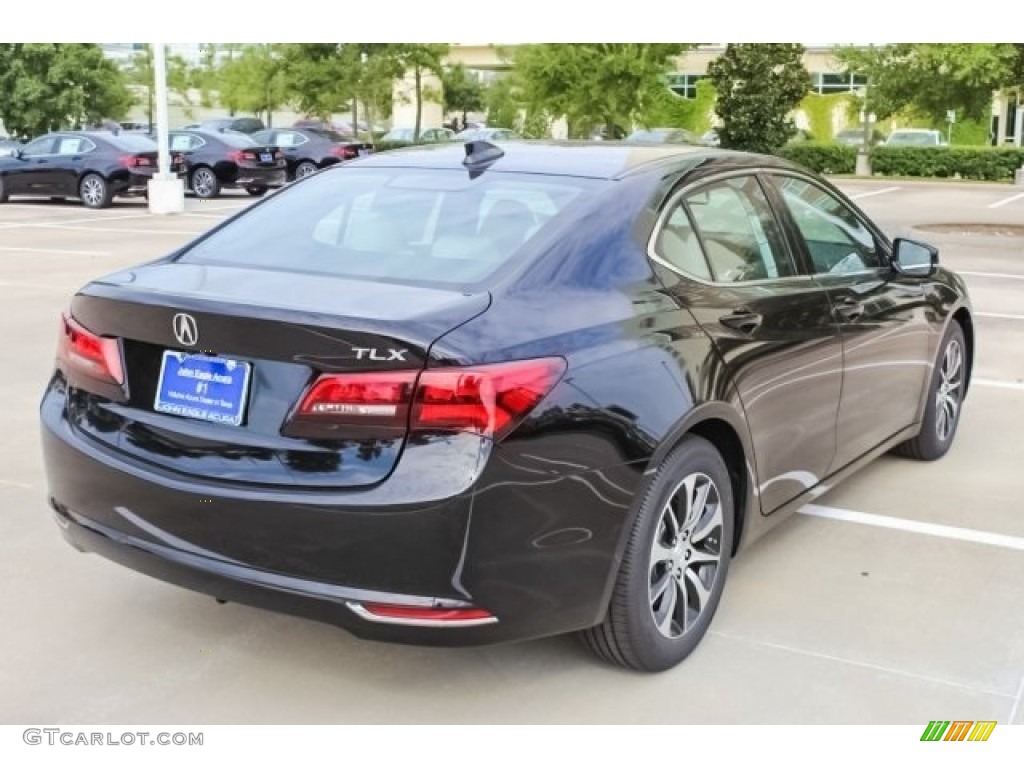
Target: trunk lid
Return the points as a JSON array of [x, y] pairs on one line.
[[268, 334]]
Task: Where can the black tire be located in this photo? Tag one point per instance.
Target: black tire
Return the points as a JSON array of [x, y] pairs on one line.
[[630, 635], [204, 183], [94, 191], [3, 191], [256, 191], [945, 400], [304, 169]]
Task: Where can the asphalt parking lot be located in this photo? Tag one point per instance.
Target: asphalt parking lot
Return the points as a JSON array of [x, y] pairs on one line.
[[895, 599]]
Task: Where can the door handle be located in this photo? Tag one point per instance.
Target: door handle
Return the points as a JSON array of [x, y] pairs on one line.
[[849, 309], [741, 320]]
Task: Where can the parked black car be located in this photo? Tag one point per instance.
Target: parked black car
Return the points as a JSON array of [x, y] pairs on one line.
[[95, 166], [208, 161], [238, 124], [307, 150], [473, 394]]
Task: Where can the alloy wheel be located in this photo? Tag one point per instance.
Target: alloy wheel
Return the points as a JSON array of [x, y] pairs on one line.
[[304, 170], [203, 182], [686, 555], [93, 190], [950, 390]]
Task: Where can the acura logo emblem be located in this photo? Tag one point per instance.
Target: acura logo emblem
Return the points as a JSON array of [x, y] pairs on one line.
[[185, 329]]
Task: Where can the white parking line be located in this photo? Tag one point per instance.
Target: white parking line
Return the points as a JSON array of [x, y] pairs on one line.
[[53, 250], [998, 384], [757, 641], [1007, 200], [873, 192], [999, 315], [1016, 702], [14, 484], [191, 232], [916, 526], [994, 275], [55, 222]]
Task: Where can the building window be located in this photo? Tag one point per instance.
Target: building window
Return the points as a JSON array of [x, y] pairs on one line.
[[684, 84], [836, 82]]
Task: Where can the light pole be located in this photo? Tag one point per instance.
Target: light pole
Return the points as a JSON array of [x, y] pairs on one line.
[[166, 191], [863, 167]]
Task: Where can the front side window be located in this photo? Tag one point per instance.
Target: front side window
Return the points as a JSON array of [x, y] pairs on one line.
[[40, 146], [738, 231], [837, 241]]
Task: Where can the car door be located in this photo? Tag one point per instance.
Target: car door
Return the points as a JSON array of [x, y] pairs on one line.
[[182, 148], [291, 144], [34, 174], [770, 322], [69, 161], [881, 314]]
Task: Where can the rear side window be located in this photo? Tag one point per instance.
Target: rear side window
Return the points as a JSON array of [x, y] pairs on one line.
[[398, 224], [239, 140], [735, 226], [132, 143]]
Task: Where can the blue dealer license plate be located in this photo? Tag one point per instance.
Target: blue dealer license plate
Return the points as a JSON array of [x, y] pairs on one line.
[[200, 387]]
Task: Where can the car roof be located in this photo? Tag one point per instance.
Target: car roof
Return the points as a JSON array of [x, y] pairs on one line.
[[604, 160]]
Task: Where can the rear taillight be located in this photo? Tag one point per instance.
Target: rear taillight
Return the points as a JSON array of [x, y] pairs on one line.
[[345, 153], [236, 156], [135, 161], [361, 399], [489, 400], [82, 352]]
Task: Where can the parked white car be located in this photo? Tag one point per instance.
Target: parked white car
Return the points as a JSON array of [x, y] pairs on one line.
[[915, 137]]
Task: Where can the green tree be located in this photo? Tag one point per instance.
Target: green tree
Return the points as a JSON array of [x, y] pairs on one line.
[[139, 73], [592, 84], [419, 59], [462, 92], [758, 85], [321, 77], [502, 102], [932, 78], [255, 81], [46, 86]]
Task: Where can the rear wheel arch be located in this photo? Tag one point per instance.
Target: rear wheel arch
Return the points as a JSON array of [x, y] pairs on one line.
[[963, 317], [725, 428], [727, 442]]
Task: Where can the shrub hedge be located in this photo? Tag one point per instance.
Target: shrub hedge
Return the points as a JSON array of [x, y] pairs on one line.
[[982, 163], [821, 158]]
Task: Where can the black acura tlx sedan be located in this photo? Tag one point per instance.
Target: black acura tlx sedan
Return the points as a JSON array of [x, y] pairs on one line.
[[473, 394], [94, 166]]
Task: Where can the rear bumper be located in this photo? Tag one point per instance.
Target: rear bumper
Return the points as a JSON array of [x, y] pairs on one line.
[[538, 556], [259, 177], [329, 603]]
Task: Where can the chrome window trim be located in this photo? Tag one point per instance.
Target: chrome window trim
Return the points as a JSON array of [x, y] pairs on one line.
[[673, 201]]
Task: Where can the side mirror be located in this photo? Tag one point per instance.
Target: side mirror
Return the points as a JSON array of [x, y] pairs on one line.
[[16, 152], [913, 258]]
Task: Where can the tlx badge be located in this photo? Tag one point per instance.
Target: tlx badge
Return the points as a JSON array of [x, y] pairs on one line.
[[369, 353]]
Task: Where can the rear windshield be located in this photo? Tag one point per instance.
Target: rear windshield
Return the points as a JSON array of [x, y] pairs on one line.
[[131, 142], [233, 139], [399, 224]]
